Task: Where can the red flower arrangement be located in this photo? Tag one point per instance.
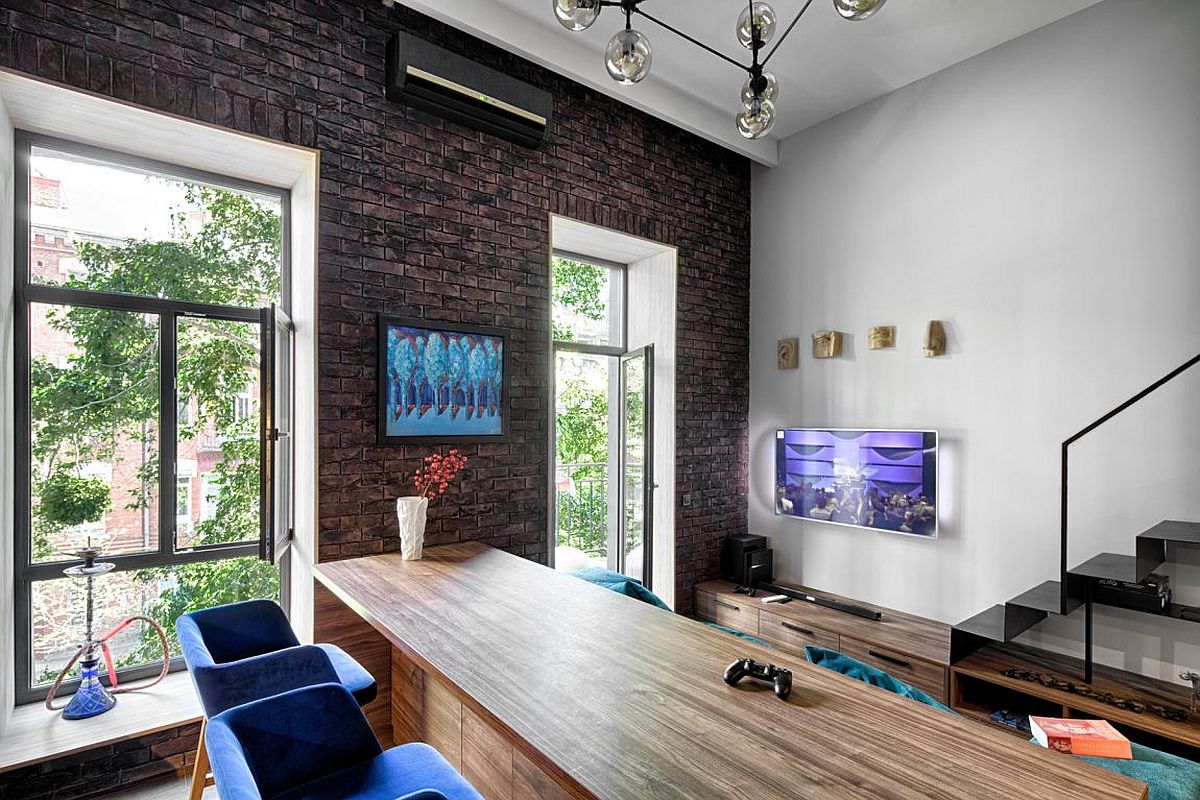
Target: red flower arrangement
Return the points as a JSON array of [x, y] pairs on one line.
[[434, 476]]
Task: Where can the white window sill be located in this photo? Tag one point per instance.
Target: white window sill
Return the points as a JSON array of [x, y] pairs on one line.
[[35, 735]]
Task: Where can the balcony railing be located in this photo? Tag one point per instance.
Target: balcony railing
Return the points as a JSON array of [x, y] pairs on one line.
[[582, 507]]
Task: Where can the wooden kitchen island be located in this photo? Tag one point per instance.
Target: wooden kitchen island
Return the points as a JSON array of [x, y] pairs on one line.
[[538, 685]]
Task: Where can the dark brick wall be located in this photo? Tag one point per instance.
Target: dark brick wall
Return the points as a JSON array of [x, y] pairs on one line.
[[420, 217]]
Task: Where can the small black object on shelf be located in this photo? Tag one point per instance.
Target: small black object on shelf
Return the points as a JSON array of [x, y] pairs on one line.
[[779, 677], [747, 562]]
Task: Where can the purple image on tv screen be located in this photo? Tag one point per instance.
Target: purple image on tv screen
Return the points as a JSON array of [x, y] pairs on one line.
[[883, 480]]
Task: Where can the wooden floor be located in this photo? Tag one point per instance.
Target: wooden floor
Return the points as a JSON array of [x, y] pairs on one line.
[[160, 789]]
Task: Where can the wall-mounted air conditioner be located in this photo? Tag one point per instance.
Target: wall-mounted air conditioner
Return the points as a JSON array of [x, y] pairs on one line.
[[423, 75]]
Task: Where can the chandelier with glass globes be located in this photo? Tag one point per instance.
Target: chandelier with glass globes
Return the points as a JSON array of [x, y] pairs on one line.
[[628, 55]]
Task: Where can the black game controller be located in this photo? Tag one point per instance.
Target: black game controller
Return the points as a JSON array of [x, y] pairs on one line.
[[748, 667]]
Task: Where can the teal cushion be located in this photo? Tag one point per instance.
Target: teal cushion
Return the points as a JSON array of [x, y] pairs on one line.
[[852, 668], [1169, 777], [621, 584]]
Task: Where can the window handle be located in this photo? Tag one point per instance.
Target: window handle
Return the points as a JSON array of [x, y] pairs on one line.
[[730, 606], [899, 662], [792, 627]]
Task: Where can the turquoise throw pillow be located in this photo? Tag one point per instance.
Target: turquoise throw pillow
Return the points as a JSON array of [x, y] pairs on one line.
[[1169, 777], [621, 584], [852, 668]]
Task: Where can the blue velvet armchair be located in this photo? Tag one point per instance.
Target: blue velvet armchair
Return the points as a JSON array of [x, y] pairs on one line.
[[246, 651], [242, 652], [315, 744]]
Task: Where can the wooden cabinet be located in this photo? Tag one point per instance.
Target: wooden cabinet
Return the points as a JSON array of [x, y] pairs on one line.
[[794, 635], [426, 709], [930, 678], [914, 649], [727, 609]]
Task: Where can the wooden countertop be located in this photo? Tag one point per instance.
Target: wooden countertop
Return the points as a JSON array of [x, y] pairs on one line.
[[627, 699], [921, 637]]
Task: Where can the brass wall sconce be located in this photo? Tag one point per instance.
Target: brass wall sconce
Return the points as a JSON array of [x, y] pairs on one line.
[[881, 337], [827, 344], [789, 353], [935, 339]]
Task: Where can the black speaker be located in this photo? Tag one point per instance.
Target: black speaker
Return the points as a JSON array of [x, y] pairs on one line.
[[745, 559]]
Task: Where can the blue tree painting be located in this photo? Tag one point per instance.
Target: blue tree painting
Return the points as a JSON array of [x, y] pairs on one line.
[[441, 384]]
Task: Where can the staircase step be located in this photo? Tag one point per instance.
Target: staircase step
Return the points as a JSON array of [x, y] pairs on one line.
[[1046, 597], [1173, 530], [1111, 566], [987, 624]]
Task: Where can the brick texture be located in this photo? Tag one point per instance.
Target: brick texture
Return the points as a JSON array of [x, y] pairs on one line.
[[422, 217]]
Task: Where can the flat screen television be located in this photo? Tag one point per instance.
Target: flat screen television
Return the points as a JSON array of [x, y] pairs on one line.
[[880, 480]]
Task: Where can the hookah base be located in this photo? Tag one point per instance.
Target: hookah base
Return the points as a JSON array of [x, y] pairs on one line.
[[92, 697]]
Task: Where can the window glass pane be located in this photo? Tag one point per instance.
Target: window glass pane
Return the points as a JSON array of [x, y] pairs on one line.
[[586, 303], [58, 608], [105, 227], [583, 491], [218, 370], [94, 383]]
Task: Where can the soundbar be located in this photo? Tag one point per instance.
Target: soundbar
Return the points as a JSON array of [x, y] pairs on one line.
[[836, 605]]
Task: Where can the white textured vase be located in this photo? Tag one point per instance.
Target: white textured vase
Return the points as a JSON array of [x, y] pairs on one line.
[[411, 512]]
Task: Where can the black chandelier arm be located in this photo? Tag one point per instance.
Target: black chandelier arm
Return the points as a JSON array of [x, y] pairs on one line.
[[788, 31], [693, 40]]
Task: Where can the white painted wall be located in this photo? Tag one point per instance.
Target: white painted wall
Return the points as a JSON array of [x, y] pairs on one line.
[[6, 417], [652, 321], [1043, 199]]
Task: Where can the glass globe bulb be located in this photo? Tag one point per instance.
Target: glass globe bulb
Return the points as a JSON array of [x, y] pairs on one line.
[[576, 15], [855, 10], [769, 92], [763, 18], [756, 118], [628, 57]]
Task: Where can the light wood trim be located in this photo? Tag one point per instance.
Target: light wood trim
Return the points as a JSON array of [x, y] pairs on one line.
[[631, 704]]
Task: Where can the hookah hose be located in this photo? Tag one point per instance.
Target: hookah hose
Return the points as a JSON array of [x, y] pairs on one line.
[[108, 661]]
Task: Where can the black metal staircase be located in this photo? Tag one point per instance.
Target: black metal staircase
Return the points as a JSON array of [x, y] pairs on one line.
[[1003, 623]]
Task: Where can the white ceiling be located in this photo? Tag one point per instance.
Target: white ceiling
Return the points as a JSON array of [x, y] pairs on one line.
[[827, 65]]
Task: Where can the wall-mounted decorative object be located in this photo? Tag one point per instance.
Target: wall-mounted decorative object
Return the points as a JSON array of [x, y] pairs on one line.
[[827, 344], [935, 339], [881, 337], [789, 353], [441, 382], [628, 56]]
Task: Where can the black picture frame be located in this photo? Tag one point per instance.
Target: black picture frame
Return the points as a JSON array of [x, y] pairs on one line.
[[385, 324]]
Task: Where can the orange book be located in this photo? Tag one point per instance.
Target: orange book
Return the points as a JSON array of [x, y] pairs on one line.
[[1080, 737]]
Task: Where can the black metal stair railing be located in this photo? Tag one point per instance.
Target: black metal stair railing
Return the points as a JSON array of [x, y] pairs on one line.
[[1077, 588]]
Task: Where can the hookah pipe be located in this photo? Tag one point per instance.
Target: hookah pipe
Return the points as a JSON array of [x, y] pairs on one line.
[[93, 698]]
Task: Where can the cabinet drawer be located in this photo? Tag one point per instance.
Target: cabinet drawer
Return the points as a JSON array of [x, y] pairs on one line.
[[738, 614], [793, 634], [930, 678]]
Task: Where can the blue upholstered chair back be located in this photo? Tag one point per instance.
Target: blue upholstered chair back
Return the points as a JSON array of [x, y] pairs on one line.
[[241, 630], [264, 748]]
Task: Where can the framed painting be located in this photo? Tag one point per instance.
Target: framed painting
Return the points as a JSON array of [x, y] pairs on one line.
[[441, 382]]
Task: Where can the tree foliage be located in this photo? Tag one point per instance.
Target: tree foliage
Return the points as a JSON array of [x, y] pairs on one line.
[[105, 395], [578, 290]]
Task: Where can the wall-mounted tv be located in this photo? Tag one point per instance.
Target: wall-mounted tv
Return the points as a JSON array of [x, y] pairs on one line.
[[881, 480]]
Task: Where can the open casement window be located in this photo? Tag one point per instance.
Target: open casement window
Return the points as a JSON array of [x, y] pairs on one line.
[[147, 362], [637, 463], [277, 477], [603, 491]]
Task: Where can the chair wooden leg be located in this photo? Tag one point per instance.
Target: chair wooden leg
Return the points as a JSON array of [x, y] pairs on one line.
[[200, 777]]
